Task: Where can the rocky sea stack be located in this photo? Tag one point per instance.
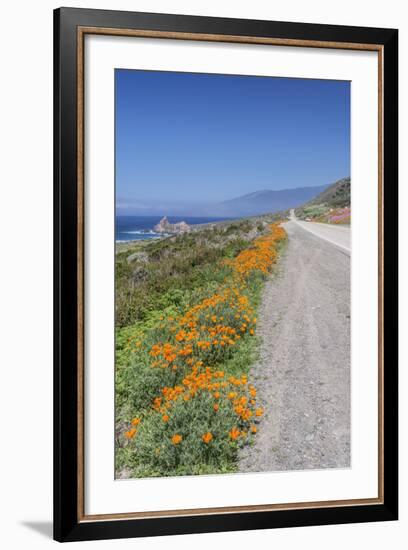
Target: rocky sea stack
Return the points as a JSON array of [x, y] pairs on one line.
[[164, 226]]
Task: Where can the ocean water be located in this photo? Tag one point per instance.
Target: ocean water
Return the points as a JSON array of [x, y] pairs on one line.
[[137, 228]]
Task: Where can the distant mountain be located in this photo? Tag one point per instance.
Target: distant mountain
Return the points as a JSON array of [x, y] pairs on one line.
[[264, 201], [336, 195], [267, 201]]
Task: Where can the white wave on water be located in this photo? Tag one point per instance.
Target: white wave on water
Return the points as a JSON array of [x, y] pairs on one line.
[[141, 232], [152, 236]]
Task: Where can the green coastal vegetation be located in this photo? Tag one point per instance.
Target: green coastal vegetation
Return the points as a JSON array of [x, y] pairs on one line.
[[330, 206], [186, 309]]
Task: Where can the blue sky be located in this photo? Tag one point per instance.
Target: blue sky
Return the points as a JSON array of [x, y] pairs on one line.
[[191, 138]]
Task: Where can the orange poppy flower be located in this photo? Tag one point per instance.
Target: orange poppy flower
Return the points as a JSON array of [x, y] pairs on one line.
[[131, 433], [234, 434], [207, 437]]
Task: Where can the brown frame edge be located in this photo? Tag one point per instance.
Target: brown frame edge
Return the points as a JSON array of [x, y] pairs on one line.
[[81, 32]]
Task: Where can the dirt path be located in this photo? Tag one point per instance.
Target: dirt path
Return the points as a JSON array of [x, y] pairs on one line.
[[303, 374]]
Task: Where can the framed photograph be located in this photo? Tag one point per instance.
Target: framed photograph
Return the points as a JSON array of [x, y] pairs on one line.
[[225, 274]]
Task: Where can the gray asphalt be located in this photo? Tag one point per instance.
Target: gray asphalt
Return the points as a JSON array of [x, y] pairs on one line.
[[339, 235], [303, 374]]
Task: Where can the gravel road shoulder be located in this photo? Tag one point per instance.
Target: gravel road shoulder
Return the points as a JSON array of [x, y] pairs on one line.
[[303, 373]]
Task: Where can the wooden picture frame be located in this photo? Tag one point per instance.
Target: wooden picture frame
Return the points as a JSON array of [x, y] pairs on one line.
[[70, 28]]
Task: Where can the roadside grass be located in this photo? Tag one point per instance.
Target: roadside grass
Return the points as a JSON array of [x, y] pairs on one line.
[[166, 273], [184, 404], [323, 213]]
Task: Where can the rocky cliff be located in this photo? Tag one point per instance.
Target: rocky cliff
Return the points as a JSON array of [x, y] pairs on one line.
[[164, 226]]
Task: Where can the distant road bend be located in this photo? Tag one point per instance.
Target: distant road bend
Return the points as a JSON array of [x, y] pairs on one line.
[[338, 235], [303, 371]]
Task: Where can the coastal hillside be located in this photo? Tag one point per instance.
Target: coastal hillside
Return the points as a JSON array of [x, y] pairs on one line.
[[333, 205], [337, 195], [150, 273], [186, 314]]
